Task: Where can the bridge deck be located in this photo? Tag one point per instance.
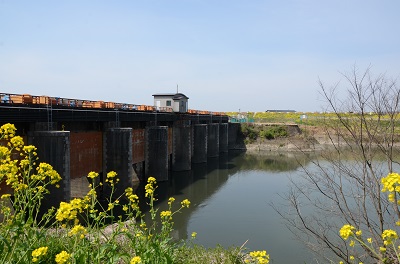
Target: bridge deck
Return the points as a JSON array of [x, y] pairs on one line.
[[13, 113]]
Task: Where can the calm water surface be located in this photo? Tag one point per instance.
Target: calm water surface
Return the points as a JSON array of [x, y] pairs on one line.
[[230, 199]]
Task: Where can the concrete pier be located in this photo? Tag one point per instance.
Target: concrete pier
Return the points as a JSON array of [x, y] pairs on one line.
[[223, 137], [156, 163], [138, 151], [234, 137], [213, 140], [200, 134], [53, 147], [181, 149], [117, 156]]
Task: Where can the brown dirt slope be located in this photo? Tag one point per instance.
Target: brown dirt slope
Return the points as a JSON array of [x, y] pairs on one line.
[[309, 139]]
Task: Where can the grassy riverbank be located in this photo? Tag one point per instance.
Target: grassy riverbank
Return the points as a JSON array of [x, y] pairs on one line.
[[279, 137], [274, 131], [307, 118]]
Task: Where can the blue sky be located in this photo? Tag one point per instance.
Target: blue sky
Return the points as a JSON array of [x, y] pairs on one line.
[[250, 55]]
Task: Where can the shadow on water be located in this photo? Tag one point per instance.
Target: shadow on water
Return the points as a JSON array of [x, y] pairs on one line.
[[212, 175], [205, 178], [229, 200]]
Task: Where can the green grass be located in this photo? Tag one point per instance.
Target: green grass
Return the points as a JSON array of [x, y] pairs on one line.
[[198, 255], [252, 132], [314, 118]]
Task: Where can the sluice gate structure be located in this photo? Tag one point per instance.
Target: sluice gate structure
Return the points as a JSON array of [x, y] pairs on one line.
[[136, 143]]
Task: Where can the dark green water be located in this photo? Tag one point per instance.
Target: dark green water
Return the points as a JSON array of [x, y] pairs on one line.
[[231, 199], [230, 204]]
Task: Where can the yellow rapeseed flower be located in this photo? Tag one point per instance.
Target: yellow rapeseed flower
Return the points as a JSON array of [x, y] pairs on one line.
[[30, 150], [17, 143], [388, 236], [133, 198], [93, 174], [260, 257], [7, 131], [5, 196], [391, 197], [4, 153], [128, 191], [20, 187], [78, 230], [10, 170], [390, 182], [165, 214], [346, 231], [69, 211], [62, 257], [64, 212], [171, 200], [111, 174], [149, 189], [185, 203], [37, 253], [151, 180], [136, 260], [45, 170], [111, 178]]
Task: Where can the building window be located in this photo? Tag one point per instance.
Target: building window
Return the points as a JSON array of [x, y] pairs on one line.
[[168, 102]]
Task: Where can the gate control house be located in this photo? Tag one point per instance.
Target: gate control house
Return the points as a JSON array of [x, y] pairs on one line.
[[177, 102]]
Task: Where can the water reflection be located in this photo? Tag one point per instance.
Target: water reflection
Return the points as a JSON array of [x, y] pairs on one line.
[[230, 198], [271, 162]]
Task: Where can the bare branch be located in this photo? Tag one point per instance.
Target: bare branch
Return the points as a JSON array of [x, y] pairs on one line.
[[343, 185]]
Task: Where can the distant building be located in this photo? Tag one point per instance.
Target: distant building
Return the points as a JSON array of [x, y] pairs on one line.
[[178, 102], [280, 111]]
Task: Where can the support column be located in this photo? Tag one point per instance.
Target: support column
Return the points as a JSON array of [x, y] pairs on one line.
[[213, 140], [53, 147], [181, 149], [138, 151], [156, 163], [117, 156], [200, 134], [235, 140], [223, 137]]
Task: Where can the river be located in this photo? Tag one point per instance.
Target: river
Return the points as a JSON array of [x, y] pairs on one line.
[[230, 204], [231, 199]]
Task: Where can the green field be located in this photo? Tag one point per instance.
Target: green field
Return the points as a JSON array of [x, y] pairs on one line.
[[306, 118]]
